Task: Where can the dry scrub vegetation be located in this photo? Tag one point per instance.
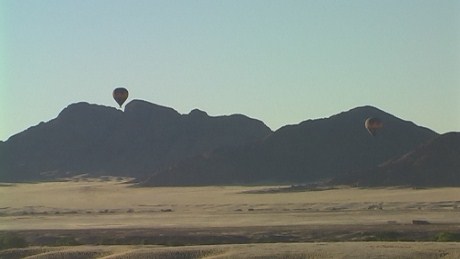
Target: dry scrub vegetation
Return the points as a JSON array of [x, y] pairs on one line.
[[277, 250], [67, 218]]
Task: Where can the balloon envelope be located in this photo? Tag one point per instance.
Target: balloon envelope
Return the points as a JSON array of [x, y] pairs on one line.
[[372, 125], [120, 95]]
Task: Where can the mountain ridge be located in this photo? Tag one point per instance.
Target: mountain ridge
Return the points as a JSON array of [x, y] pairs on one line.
[[96, 139], [309, 151], [157, 143]]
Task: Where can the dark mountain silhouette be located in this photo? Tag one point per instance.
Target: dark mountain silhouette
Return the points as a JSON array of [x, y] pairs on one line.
[[310, 151], [435, 163], [148, 141], [88, 138]]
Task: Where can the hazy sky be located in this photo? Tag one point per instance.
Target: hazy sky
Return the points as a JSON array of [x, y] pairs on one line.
[[282, 62]]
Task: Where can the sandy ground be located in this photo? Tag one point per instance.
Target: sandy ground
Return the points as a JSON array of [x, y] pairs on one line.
[[237, 213], [99, 204]]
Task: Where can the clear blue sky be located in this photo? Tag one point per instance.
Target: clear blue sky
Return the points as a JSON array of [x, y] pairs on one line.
[[282, 62]]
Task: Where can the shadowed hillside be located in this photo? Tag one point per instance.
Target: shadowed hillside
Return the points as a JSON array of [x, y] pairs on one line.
[[152, 142], [435, 163], [310, 151], [88, 138]]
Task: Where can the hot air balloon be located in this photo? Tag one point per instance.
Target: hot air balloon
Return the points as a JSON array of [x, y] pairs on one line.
[[120, 95], [372, 125]]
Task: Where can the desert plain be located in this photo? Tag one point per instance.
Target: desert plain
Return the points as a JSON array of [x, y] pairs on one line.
[[113, 218]]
